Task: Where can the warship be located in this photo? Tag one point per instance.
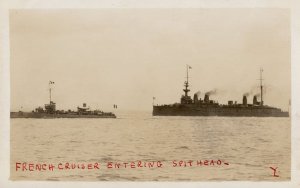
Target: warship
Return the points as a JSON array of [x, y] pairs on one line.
[[50, 111], [207, 107]]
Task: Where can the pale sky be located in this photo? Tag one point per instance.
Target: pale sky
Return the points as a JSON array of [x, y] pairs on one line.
[[127, 56]]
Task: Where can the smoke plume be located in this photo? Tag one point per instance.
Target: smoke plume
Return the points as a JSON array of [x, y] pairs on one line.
[[198, 94], [246, 94], [212, 92], [252, 90], [257, 95]]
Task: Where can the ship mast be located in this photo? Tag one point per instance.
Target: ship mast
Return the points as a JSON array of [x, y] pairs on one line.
[[50, 83], [50, 91], [186, 83], [261, 87]]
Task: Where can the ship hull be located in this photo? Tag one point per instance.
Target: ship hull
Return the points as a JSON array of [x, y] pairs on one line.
[[52, 116], [183, 110]]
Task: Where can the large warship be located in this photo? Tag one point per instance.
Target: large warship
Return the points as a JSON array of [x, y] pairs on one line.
[[50, 111], [207, 107]]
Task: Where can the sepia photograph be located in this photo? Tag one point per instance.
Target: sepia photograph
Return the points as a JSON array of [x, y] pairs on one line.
[[177, 95]]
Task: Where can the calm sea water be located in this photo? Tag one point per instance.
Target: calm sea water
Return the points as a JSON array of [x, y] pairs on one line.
[[250, 146]]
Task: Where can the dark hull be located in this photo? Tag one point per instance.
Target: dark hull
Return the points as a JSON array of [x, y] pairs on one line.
[[52, 116], [193, 110]]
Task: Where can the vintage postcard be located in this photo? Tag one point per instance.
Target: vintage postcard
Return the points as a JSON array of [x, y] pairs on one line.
[[150, 94]]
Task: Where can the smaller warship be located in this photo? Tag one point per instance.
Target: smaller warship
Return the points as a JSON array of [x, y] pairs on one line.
[[50, 111], [208, 107]]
